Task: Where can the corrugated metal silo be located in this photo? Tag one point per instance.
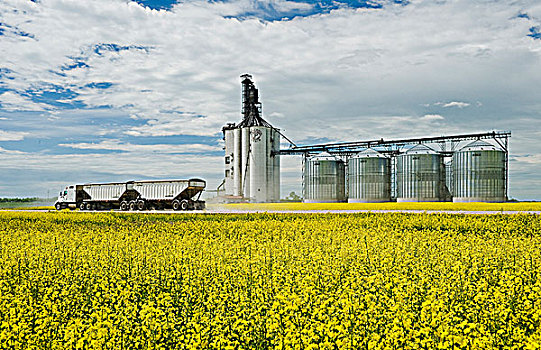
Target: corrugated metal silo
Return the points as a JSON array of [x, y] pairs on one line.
[[273, 177], [324, 179], [479, 173], [420, 175], [369, 177], [449, 176]]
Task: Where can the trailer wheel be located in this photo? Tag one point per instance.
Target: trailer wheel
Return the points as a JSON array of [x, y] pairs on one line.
[[184, 204], [123, 205], [176, 205], [82, 206], [141, 205], [133, 205]]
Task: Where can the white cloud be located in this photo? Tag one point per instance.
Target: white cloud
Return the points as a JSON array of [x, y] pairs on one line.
[[276, 115], [432, 117], [10, 152], [116, 145], [453, 104], [163, 124], [528, 158], [162, 165], [193, 58], [12, 135], [11, 101]]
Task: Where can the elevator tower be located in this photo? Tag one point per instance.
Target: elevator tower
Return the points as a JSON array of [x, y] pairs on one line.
[[252, 166]]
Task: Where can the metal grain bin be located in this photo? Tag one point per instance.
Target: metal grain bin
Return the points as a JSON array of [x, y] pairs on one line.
[[449, 176], [479, 173], [324, 179], [369, 174], [420, 175]]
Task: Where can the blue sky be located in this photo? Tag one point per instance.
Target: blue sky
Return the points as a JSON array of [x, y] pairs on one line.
[[115, 90]]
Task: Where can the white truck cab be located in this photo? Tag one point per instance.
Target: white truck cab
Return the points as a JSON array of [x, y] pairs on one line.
[[67, 198]]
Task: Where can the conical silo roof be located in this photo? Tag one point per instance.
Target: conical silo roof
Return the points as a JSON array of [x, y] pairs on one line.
[[479, 145], [324, 156], [369, 153], [421, 149]]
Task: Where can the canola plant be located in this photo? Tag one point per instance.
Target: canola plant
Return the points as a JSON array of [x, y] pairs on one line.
[[417, 206], [259, 281]]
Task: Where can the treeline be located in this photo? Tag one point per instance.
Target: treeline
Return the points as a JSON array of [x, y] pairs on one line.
[[19, 200]]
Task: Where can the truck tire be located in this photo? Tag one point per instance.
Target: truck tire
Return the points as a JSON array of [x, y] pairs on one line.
[[133, 205], [176, 205], [141, 205], [82, 206], [184, 204], [88, 206], [123, 205]]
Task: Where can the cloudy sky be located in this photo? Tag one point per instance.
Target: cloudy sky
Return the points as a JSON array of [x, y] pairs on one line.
[[106, 90]]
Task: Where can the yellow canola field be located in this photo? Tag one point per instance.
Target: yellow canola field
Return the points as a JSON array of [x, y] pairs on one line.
[[430, 206], [280, 281]]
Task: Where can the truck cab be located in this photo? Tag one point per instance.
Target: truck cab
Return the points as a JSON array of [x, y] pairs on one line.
[[67, 198]]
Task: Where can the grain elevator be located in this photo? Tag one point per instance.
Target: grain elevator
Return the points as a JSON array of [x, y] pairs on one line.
[[252, 164]]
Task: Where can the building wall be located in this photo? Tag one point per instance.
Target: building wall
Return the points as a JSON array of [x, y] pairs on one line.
[[229, 161], [237, 178]]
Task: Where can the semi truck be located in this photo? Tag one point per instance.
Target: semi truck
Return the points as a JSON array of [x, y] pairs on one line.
[[134, 195]]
